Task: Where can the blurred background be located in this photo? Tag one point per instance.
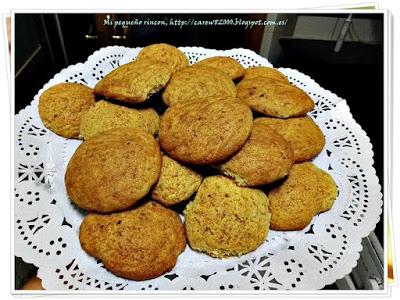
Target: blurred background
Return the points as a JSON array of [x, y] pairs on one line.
[[343, 53]]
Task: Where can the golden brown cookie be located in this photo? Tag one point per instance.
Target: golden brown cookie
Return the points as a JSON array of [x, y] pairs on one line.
[[306, 192], [174, 58], [134, 82], [206, 131], [112, 170], [139, 244], [197, 82], [264, 158], [176, 183], [303, 134], [105, 115], [226, 220], [266, 72], [274, 98], [226, 64], [62, 105]]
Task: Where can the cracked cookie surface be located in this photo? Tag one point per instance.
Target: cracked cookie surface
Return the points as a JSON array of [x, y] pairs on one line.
[[139, 244]]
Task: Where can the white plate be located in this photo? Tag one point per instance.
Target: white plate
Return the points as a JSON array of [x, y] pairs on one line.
[[46, 223]]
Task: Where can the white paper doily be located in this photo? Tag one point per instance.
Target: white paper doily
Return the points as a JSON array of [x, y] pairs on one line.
[[47, 224]]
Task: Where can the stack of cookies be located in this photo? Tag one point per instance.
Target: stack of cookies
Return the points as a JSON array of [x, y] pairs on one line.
[[228, 146]]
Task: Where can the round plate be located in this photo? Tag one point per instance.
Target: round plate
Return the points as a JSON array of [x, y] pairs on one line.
[[46, 224]]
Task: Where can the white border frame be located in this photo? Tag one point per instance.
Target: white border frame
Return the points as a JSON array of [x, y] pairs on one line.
[[388, 123]]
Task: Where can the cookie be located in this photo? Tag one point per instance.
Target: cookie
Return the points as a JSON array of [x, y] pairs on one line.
[[62, 105], [174, 58], [176, 183], [264, 158], [105, 115], [139, 244], [303, 134], [197, 82], [306, 192], [274, 98], [226, 64], [113, 170], [206, 131], [134, 82], [266, 72], [226, 220]]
